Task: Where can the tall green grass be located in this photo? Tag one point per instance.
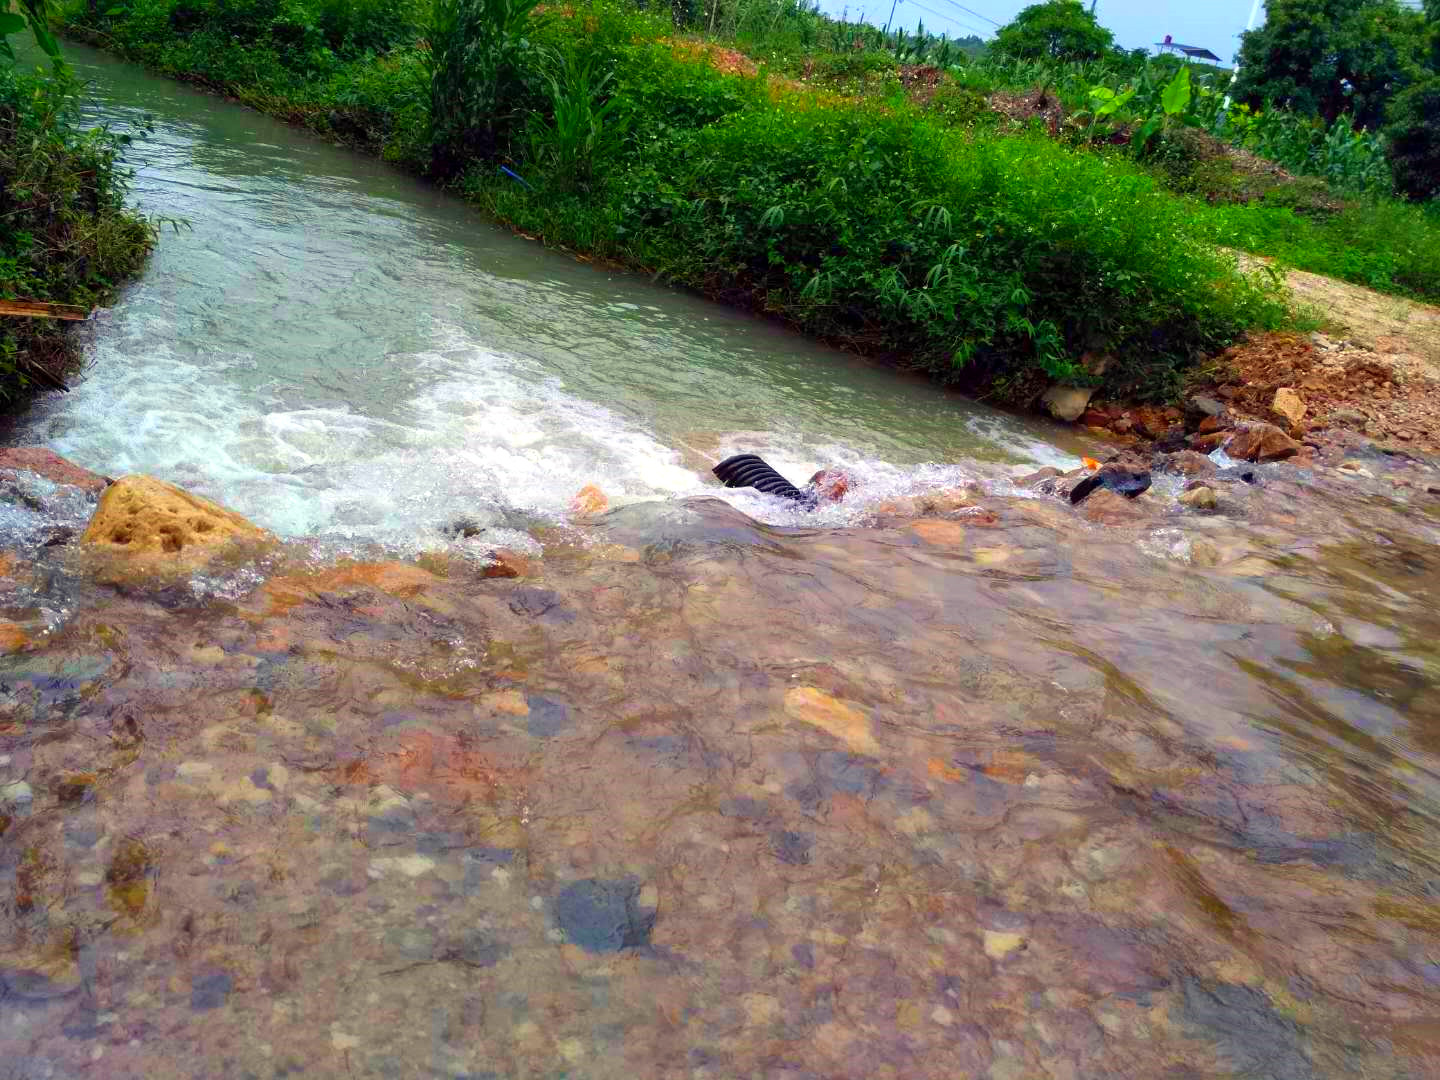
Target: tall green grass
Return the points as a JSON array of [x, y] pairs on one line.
[[1383, 244]]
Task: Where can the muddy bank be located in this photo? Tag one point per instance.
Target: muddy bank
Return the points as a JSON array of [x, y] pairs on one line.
[[982, 789]]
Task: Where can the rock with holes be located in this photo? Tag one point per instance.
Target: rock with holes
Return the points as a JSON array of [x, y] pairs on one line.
[[142, 516]]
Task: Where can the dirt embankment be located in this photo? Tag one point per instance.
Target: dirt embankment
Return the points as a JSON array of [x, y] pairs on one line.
[[1372, 377]]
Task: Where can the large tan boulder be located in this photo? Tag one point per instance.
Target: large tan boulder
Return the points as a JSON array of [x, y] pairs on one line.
[[139, 515], [1288, 406]]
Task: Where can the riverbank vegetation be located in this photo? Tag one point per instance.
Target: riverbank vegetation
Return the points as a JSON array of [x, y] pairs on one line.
[[1002, 220], [66, 235]]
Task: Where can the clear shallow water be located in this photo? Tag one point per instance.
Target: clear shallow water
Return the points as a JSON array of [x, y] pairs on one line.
[[339, 350], [907, 791]]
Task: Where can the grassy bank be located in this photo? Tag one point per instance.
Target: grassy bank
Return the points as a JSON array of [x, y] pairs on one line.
[[66, 235], [914, 223]]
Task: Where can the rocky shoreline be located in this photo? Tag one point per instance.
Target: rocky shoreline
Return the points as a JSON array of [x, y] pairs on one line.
[[1312, 403]]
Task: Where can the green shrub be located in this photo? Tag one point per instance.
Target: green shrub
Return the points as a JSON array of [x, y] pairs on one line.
[[355, 27], [1414, 132], [954, 104], [856, 66], [67, 237], [970, 258]]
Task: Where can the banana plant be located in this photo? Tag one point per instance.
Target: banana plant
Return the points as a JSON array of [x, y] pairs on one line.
[[1106, 103]]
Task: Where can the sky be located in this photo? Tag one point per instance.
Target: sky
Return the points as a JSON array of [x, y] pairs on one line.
[[1211, 24]]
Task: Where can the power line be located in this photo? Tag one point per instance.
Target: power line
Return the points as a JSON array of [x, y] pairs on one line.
[[972, 11], [949, 18]]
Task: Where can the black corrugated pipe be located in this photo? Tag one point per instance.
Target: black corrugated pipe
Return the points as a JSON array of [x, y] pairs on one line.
[[748, 470]]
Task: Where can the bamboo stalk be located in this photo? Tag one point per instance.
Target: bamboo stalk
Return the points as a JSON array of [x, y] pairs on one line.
[[39, 309]]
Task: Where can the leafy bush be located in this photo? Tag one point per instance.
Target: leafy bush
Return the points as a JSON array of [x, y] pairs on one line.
[[355, 27], [954, 105], [1414, 151], [68, 237]]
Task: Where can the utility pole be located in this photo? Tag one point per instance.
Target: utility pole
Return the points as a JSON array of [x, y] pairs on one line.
[[893, 4], [1254, 14]]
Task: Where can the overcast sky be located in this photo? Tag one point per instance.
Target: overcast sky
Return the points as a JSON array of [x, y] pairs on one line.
[[1210, 24]]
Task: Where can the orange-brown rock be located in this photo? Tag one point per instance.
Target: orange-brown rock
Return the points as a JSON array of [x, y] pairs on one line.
[[1288, 407], [831, 485], [949, 501], [401, 580], [507, 564], [589, 500], [1190, 463], [939, 533], [12, 638], [140, 515], [1262, 442], [1209, 442], [52, 466], [847, 722], [1210, 424]]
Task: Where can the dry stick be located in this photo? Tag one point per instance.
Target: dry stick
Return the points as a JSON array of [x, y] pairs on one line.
[[38, 309]]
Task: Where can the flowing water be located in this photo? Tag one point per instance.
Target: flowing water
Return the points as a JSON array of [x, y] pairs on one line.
[[945, 781]]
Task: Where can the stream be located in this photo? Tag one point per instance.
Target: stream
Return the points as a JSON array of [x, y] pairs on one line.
[[943, 780]]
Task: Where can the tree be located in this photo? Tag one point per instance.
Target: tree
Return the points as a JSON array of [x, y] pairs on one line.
[[1328, 57], [1057, 30], [1414, 140]]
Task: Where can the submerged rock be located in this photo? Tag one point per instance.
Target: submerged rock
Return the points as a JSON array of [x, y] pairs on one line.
[[47, 463], [1107, 507], [1189, 463], [140, 515], [1117, 476], [505, 563], [848, 723], [605, 916], [1200, 498]]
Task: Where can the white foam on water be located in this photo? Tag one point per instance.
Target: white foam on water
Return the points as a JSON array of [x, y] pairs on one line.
[[491, 439]]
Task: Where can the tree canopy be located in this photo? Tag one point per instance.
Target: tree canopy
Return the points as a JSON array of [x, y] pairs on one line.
[[1057, 30], [1329, 57]]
